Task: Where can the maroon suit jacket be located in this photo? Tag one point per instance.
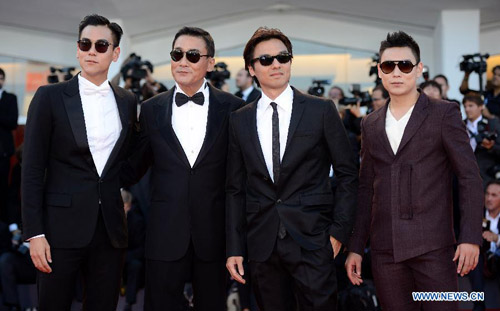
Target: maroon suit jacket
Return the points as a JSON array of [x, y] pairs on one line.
[[405, 199]]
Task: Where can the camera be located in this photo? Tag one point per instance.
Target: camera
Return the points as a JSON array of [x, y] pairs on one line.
[[363, 97], [374, 69], [483, 132], [474, 63], [218, 75], [56, 72], [317, 88], [135, 69]]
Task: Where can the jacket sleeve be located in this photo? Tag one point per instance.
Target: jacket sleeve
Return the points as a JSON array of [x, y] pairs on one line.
[[8, 120]]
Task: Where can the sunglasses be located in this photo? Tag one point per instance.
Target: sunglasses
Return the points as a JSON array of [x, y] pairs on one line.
[[266, 60], [405, 66], [101, 46], [192, 56]]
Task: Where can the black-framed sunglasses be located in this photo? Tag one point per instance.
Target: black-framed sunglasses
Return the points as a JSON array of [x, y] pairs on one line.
[[405, 66], [267, 60], [192, 56], [101, 46]]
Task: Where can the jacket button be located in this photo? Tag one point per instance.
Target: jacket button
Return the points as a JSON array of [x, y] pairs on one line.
[[279, 201]]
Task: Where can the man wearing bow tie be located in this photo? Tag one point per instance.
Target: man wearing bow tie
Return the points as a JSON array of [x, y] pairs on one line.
[[184, 138], [77, 134]]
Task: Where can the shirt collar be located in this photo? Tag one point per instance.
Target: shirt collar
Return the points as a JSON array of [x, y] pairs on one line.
[[203, 89], [491, 218], [247, 92], [475, 122], [284, 100], [1, 92], [84, 83]]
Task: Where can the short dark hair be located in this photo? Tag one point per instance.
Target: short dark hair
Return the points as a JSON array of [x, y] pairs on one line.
[[473, 98], [2, 73], [199, 33], [442, 76], [492, 182], [400, 39], [338, 88], [260, 35], [433, 84], [98, 20], [495, 68], [381, 88]]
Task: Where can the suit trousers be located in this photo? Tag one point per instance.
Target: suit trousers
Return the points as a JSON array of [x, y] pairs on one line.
[[431, 272], [165, 282], [101, 265], [294, 278]]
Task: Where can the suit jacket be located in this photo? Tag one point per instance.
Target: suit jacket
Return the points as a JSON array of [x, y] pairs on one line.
[[187, 203], [254, 94], [405, 199], [8, 123], [302, 199], [61, 189]]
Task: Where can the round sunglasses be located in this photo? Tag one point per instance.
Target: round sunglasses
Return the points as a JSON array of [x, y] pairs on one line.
[[192, 56], [267, 60], [405, 66], [101, 46]]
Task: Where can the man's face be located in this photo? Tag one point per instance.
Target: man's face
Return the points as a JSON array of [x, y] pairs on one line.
[[444, 86], [472, 110], [378, 100], [335, 93], [275, 76], [432, 92], [398, 83], [243, 81], [93, 63], [189, 75], [495, 80], [492, 198]]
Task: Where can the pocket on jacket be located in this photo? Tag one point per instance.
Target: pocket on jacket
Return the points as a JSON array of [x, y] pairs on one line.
[[405, 199], [58, 199], [253, 207]]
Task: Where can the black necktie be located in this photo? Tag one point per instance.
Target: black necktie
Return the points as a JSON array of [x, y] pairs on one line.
[[181, 99], [276, 143]]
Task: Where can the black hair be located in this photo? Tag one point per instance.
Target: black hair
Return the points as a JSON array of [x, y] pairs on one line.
[[473, 98], [2, 73], [199, 33], [98, 20], [381, 88], [433, 84], [441, 76], [400, 39]]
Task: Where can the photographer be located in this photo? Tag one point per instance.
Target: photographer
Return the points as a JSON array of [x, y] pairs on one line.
[[445, 87], [380, 96], [219, 76], [246, 89], [484, 140], [138, 78], [432, 89]]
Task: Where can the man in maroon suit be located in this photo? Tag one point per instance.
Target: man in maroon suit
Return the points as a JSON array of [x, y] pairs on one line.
[[410, 150]]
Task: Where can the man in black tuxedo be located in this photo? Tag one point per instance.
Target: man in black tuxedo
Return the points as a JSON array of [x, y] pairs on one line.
[[244, 82], [184, 137], [77, 134], [279, 197], [8, 123]]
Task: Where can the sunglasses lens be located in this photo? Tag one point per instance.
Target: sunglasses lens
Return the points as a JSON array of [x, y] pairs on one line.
[[101, 46], [283, 58], [387, 67], [176, 55], [193, 56], [266, 60], [405, 66], [84, 45]]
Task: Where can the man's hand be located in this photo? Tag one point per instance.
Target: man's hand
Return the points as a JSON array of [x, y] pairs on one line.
[[467, 255], [336, 246], [490, 236], [233, 263], [353, 267], [488, 144], [40, 254]]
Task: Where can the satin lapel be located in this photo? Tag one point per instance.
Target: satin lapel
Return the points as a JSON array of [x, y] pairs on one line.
[[379, 124], [121, 103], [163, 112], [418, 115], [217, 113], [74, 110], [298, 106], [251, 127]]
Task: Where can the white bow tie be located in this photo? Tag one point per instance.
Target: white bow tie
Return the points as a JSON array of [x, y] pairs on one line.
[[97, 90]]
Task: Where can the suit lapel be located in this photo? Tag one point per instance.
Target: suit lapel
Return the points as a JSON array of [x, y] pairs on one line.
[[121, 103], [217, 113], [379, 124], [418, 115], [163, 112], [74, 110], [251, 127], [297, 110]]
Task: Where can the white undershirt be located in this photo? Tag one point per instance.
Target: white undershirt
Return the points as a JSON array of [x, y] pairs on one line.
[[246, 93], [472, 127], [493, 228], [396, 128], [189, 122], [265, 124]]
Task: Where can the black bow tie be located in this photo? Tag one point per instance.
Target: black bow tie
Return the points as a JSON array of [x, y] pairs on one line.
[[181, 99]]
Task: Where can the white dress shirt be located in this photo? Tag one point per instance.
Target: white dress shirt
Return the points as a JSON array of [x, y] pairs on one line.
[[396, 128], [246, 93], [493, 228], [1, 93], [472, 127], [102, 119], [189, 122], [265, 124]]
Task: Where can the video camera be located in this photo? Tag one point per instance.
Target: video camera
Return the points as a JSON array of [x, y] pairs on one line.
[[135, 69], [483, 132], [363, 97], [54, 76], [474, 63], [317, 88], [218, 75]]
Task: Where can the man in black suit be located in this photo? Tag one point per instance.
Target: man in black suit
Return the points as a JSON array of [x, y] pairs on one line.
[[8, 123], [244, 82], [279, 197], [184, 137], [77, 134]]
